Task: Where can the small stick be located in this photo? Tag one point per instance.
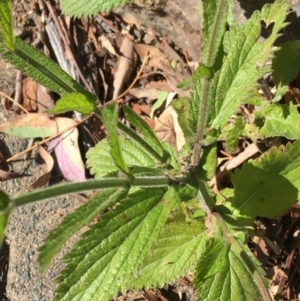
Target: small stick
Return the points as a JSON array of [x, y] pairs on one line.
[[67, 45], [14, 102]]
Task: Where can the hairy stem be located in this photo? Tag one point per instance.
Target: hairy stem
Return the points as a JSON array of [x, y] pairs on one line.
[[208, 61], [55, 191]]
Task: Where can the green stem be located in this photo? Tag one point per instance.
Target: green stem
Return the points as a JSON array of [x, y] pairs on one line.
[[202, 120], [55, 191], [208, 61]]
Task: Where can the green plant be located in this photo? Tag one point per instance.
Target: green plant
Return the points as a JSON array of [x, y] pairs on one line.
[[145, 238]]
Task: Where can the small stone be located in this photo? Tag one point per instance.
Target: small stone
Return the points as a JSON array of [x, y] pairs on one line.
[[26, 275]]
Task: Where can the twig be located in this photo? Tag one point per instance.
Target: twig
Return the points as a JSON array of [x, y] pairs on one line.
[[67, 45], [14, 102], [18, 87]]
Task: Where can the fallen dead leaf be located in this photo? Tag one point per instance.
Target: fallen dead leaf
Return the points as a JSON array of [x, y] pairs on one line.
[[44, 99], [125, 66], [67, 152], [168, 128], [139, 109], [43, 179], [35, 125], [29, 92], [248, 152], [150, 93], [105, 43], [5, 175], [29, 126]]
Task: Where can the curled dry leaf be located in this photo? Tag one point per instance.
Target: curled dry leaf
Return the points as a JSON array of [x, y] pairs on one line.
[[105, 43], [248, 152], [168, 128], [29, 92], [45, 101], [43, 179], [125, 66], [5, 175], [67, 152], [161, 62]]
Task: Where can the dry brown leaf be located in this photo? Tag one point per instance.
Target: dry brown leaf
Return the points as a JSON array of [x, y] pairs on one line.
[[248, 152], [139, 109], [36, 125], [157, 59], [43, 179], [161, 85], [125, 66], [168, 128], [5, 175], [174, 82], [29, 125], [105, 43], [29, 92], [150, 93], [44, 99]]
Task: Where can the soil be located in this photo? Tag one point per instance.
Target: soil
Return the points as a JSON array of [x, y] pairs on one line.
[[29, 226]]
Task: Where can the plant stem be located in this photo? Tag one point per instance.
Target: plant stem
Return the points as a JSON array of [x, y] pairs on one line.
[[55, 191], [208, 60], [202, 120]]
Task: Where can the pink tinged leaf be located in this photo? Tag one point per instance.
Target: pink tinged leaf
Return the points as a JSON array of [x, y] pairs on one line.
[[68, 156]]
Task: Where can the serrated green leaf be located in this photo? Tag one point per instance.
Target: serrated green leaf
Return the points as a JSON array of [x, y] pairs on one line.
[[187, 116], [102, 164], [108, 255], [286, 163], [175, 252], [222, 274], [81, 8], [110, 120], [214, 25], [245, 62], [76, 220], [265, 187], [231, 133], [43, 70], [285, 65], [148, 134], [6, 24], [280, 120], [209, 162], [74, 102], [188, 191], [141, 141]]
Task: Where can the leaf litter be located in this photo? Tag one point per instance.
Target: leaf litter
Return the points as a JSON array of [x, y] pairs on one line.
[[111, 69]]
